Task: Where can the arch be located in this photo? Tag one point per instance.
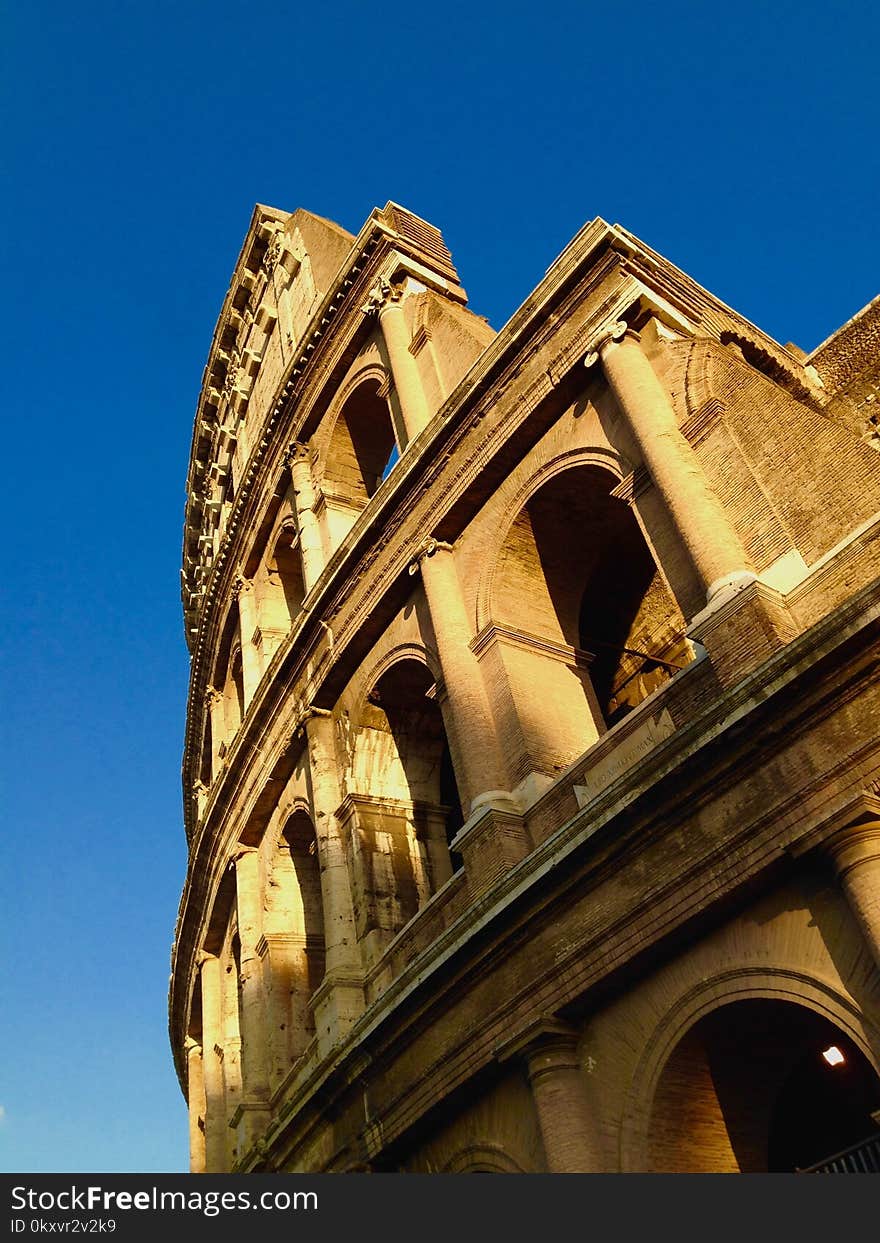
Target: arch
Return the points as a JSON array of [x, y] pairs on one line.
[[401, 651], [286, 588], [708, 997], [401, 703], [362, 445], [574, 570], [293, 938], [608, 459], [402, 807], [482, 1157]]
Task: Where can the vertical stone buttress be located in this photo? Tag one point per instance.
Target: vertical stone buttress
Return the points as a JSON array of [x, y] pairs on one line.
[[568, 1131], [713, 546], [248, 623]]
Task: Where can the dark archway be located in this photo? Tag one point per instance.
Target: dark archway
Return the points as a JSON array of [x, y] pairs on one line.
[[362, 448], [761, 1086], [576, 569], [403, 701]]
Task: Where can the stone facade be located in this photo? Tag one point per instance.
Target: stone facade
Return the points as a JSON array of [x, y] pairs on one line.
[[532, 762]]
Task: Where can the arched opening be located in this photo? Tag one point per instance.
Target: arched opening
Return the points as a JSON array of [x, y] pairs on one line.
[[225, 697], [283, 585], [293, 941], [363, 447], [403, 705], [301, 847], [234, 692], [580, 607], [761, 1086]]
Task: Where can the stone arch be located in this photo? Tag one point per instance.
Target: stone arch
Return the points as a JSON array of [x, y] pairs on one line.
[[402, 807], [575, 580], [516, 496], [292, 944], [360, 441], [401, 651], [482, 1157], [284, 575], [706, 998]]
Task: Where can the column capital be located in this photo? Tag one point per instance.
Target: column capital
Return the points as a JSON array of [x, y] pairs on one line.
[[383, 295], [604, 337], [241, 851], [203, 957], [855, 844], [427, 548], [546, 1044], [297, 451]]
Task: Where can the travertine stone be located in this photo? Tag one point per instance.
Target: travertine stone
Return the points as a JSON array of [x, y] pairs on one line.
[[304, 498], [407, 381], [339, 1001], [471, 731], [249, 906], [716, 553], [195, 1086], [549, 1051], [212, 1036], [562, 711], [856, 855]]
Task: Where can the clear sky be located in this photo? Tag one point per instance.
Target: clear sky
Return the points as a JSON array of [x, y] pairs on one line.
[[739, 140]]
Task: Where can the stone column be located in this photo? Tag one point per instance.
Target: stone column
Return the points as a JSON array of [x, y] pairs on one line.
[[549, 1049], [712, 544], [387, 300], [479, 766], [339, 999], [310, 547], [855, 852], [217, 712], [248, 623], [195, 1095], [744, 621], [216, 1129], [252, 1015], [493, 838]]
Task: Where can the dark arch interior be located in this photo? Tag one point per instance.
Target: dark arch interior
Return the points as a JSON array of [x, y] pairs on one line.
[[576, 568], [404, 694], [363, 447], [747, 1089], [298, 839], [287, 565]]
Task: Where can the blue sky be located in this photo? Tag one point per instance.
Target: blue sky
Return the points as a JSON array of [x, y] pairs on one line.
[[740, 141]]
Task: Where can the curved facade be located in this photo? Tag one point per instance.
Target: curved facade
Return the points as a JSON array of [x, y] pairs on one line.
[[532, 762]]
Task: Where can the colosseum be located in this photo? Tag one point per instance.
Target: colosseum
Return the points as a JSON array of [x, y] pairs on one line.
[[532, 759]]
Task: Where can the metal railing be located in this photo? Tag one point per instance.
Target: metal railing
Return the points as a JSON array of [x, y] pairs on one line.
[[861, 1158]]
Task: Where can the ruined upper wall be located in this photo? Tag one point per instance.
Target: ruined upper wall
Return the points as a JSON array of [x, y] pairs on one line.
[[849, 364]]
